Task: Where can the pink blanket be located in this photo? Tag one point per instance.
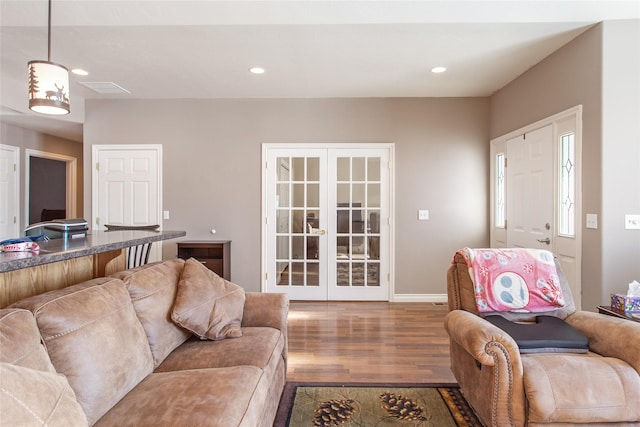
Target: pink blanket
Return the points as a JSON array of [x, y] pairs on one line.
[[517, 280]]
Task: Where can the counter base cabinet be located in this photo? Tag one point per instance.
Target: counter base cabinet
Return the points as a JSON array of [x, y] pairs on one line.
[[214, 254], [23, 283]]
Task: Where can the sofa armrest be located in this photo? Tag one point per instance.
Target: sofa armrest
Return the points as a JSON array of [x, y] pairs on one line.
[[609, 336], [485, 342], [266, 309]]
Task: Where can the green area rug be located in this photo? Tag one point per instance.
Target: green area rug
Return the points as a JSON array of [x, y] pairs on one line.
[[374, 405]]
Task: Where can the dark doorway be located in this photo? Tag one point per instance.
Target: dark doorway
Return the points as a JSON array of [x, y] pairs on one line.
[[47, 189]]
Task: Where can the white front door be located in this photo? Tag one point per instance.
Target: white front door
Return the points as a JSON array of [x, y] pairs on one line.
[[327, 228], [535, 196], [127, 186], [9, 192], [530, 192]]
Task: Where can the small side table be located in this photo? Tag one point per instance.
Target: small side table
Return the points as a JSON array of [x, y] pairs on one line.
[[606, 309], [214, 254]]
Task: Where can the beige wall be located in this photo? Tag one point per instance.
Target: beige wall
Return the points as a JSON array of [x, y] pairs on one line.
[[30, 139], [620, 154], [599, 69], [212, 168]]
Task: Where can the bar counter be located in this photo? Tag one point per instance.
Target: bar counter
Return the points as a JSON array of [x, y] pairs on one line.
[[65, 262], [94, 243]]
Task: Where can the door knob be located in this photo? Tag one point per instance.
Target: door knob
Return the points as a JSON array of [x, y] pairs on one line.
[[545, 241]]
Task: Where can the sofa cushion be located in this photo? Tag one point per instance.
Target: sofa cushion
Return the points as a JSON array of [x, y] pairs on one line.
[[206, 304], [20, 341], [153, 288], [30, 397], [93, 336], [580, 388], [224, 397], [261, 347]]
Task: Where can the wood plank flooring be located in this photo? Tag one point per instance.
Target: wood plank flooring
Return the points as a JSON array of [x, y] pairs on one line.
[[368, 342]]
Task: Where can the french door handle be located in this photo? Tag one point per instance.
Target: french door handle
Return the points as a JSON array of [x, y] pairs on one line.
[[318, 231], [545, 241]]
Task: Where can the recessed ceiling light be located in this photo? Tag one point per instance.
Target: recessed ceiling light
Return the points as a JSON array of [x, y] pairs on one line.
[[80, 72], [256, 70], [437, 70]]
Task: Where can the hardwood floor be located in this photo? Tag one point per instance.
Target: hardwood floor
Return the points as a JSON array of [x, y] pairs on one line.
[[368, 342]]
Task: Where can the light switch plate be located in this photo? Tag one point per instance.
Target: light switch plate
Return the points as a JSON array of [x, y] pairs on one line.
[[632, 222], [423, 214], [592, 220], [165, 215]]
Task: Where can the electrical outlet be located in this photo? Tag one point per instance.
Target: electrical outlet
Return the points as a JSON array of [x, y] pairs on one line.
[[166, 215], [632, 222], [592, 220], [423, 214]]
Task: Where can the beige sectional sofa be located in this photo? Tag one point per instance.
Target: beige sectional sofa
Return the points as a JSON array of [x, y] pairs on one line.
[[106, 352]]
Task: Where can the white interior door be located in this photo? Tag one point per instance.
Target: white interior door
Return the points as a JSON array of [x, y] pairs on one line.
[[327, 232], [530, 194], [128, 187], [9, 192]]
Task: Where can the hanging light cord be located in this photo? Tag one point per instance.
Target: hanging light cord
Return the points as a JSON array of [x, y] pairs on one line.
[[49, 35]]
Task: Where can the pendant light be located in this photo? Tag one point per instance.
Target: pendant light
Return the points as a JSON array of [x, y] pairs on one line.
[[48, 83]]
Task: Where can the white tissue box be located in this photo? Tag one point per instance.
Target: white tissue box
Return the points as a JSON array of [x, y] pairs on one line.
[[624, 304]]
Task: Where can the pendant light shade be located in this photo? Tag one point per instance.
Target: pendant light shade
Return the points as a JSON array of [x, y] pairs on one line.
[[48, 88], [48, 83]]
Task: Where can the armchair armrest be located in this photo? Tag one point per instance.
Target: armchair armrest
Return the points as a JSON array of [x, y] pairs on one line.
[[609, 336], [495, 385], [485, 342]]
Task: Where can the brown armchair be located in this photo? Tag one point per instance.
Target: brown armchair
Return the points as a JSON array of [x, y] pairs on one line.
[[507, 388]]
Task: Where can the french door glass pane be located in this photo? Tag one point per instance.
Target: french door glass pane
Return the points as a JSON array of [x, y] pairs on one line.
[[298, 168], [298, 222], [313, 274], [359, 172], [297, 274], [373, 168], [282, 221], [358, 221], [313, 195], [297, 217], [298, 195], [282, 273]]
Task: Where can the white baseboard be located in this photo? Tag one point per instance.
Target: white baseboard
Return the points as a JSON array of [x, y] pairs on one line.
[[419, 298]]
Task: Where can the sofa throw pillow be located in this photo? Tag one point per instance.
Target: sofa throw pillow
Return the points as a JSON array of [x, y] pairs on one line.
[[206, 304], [29, 397]]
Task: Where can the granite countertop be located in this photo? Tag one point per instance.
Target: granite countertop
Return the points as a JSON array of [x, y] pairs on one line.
[[94, 243]]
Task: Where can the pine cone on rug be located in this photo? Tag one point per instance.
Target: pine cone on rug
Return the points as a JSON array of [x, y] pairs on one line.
[[332, 413], [402, 408]]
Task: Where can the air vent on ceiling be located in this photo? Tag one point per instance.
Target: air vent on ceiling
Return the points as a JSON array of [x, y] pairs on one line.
[[105, 87]]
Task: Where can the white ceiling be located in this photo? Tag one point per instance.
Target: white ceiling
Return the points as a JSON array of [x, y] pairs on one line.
[[159, 49]]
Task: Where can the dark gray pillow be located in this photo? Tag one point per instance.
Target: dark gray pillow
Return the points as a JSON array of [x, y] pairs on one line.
[[548, 334]]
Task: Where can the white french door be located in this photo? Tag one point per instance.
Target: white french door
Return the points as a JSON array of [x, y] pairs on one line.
[[327, 222]]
